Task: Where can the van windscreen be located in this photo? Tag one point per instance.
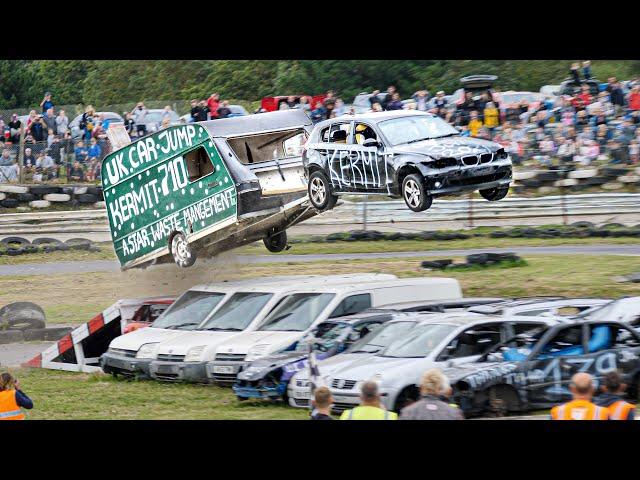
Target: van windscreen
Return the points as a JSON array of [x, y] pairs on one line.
[[189, 310], [238, 312], [296, 313]]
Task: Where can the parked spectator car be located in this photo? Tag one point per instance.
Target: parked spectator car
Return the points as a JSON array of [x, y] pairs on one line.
[[415, 155], [236, 111]]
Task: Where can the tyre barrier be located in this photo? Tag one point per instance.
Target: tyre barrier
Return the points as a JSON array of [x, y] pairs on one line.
[[28, 197], [14, 246], [476, 260]]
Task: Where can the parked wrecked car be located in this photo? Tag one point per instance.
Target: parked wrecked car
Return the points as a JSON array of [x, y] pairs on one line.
[[439, 340], [204, 188], [533, 369], [269, 376], [414, 155]]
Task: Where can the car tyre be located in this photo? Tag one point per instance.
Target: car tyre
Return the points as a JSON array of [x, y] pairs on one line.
[[276, 242], [415, 194], [494, 194], [182, 253], [320, 192]]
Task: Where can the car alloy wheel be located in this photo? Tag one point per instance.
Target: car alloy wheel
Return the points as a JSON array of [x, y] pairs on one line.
[[415, 194], [318, 191], [182, 253]]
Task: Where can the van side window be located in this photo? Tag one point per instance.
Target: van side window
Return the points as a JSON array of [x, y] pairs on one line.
[[198, 164], [351, 305]]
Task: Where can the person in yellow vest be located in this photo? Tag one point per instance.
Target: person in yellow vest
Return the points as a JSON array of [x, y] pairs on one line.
[[475, 124], [581, 407], [12, 398], [612, 398], [370, 406]]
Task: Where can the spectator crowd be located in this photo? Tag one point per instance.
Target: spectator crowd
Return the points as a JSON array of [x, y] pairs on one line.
[[595, 123]]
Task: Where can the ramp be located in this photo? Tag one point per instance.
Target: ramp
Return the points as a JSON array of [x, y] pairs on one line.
[[80, 350]]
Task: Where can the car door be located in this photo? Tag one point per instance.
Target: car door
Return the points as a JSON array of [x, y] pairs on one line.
[[369, 168], [337, 143]]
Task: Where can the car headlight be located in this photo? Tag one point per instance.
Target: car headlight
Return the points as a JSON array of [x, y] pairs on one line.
[[256, 351], [194, 354], [148, 350]]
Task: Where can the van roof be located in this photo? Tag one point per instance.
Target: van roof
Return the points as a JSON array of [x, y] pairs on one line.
[[380, 283], [258, 123], [287, 281]]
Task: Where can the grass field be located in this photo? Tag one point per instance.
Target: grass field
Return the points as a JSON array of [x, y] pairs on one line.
[[75, 298], [63, 395]]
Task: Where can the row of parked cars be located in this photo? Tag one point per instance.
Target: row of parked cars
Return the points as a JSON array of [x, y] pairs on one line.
[[500, 354]]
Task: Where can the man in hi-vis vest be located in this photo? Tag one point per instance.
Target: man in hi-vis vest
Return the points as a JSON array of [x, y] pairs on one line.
[[581, 407], [12, 399]]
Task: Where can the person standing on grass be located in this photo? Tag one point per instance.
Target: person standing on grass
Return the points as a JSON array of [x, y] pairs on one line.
[[12, 399], [581, 407], [370, 407], [612, 397], [322, 402]]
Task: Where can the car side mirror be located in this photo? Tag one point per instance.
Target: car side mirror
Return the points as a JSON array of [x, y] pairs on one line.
[[371, 142]]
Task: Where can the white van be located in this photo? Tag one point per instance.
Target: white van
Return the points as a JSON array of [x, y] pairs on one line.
[[184, 357], [304, 308], [131, 354]]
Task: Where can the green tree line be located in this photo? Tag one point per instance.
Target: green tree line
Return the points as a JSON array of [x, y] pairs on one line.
[[104, 82]]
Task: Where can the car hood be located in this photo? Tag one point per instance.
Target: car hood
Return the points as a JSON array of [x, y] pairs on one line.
[[275, 340], [181, 344], [137, 338], [447, 147], [365, 368]]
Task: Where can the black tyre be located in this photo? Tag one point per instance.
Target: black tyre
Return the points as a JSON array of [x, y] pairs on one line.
[[43, 189], [78, 243], [182, 253], [97, 191], [503, 400], [277, 242], [25, 197], [22, 316], [46, 241], [320, 192], [86, 198], [9, 203], [405, 398], [494, 194], [415, 194], [15, 242], [11, 336]]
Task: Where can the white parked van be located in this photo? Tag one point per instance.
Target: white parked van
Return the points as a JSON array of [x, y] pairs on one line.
[[304, 308], [131, 354], [184, 357]]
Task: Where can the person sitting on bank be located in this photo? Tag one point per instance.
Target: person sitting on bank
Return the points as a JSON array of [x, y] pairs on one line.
[[12, 399], [613, 398], [322, 402], [434, 389], [371, 407]]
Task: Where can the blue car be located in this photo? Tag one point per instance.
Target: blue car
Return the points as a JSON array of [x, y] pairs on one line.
[[269, 376]]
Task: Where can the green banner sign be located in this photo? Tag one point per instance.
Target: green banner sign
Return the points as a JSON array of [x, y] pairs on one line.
[[173, 180]]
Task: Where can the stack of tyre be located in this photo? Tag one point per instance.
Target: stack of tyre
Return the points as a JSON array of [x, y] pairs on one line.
[[44, 196], [13, 246], [606, 178], [25, 322]]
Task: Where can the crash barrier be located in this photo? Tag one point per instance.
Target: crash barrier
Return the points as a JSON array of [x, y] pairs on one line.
[[610, 177], [28, 197], [471, 209], [13, 246], [80, 349], [476, 260]]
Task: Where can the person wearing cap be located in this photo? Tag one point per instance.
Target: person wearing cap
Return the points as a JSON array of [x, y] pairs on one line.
[[612, 398], [581, 407], [434, 389], [46, 102], [370, 407]]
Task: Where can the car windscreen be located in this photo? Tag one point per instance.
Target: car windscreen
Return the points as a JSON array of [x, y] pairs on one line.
[[412, 129], [189, 310], [296, 312], [324, 336], [424, 339], [382, 338], [238, 312]]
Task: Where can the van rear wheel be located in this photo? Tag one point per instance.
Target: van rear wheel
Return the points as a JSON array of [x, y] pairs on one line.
[[183, 254], [276, 242]]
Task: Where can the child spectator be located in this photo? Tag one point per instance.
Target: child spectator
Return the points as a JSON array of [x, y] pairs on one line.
[[491, 118], [76, 174], [81, 152], [475, 124], [94, 150]]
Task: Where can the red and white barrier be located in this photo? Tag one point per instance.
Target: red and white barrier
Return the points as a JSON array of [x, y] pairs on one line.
[[80, 350]]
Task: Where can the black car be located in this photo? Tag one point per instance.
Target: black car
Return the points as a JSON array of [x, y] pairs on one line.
[[405, 153], [533, 369]]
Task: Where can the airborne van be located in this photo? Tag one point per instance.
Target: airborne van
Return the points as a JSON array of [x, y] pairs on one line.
[[203, 188]]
